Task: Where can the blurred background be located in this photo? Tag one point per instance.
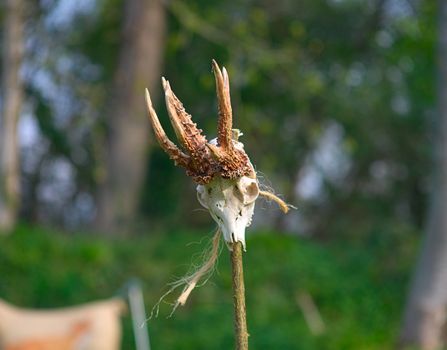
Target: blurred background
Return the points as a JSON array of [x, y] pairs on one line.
[[343, 106]]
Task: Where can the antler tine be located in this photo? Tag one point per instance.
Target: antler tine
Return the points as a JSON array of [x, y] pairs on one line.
[[167, 145], [185, 129], [224, 125]]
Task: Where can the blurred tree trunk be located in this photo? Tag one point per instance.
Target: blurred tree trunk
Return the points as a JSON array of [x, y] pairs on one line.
[[11, 104], [139, 66], [424, 323]]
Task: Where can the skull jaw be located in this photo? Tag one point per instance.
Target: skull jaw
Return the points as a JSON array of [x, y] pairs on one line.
[[231, 204], [234, 230]]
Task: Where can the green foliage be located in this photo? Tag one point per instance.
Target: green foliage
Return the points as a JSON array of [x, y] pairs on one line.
[[296, 68], [358, 286]]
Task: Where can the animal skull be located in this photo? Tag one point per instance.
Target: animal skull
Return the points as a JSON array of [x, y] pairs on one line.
[[230, 202], [228, 187]]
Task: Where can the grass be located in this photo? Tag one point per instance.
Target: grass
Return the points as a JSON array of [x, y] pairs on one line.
[[359, 287]]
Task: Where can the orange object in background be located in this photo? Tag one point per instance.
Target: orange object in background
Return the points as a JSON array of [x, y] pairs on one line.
[[69, 341], [92, 326]]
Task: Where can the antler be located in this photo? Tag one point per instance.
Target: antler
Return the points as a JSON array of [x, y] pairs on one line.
[[225, 122], [186, 130], [168, 146], [202, 159]]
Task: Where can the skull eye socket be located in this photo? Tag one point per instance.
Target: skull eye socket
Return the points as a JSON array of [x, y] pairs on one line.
[[252, 190], [246, 191]]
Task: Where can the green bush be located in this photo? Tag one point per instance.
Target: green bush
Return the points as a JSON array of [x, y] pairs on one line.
[[359, 287]]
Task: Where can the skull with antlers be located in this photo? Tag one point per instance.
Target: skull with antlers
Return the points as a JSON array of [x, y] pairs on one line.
[[227, 184]]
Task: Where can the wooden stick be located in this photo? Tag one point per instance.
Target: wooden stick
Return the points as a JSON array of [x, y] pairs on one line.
[[240, 316]]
